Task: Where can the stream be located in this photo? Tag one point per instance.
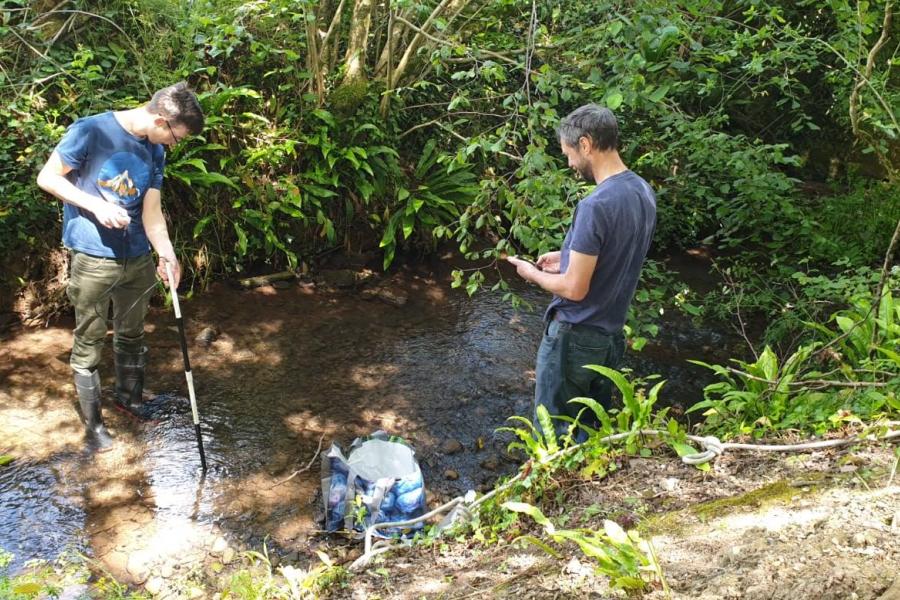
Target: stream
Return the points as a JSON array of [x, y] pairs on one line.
[[279, 370]]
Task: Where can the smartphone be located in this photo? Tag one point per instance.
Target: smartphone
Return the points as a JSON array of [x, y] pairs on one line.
[[528, 260]]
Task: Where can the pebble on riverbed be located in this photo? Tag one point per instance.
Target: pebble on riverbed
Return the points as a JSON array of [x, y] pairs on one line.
[[451, 446], [392, 296], [207, 336]]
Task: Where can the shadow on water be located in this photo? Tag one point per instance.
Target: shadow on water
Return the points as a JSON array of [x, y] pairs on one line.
[[289, 369]]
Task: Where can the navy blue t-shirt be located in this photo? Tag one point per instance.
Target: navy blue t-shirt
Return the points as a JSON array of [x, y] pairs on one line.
[[615, 223], [109, 162]]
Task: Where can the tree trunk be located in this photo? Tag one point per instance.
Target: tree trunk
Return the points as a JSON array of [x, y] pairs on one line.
[[355, 59]]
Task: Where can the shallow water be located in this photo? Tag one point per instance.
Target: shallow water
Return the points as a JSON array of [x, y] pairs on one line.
[[290, 369]]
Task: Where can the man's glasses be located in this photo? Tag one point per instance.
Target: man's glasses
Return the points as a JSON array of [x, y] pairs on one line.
[[172, 133]]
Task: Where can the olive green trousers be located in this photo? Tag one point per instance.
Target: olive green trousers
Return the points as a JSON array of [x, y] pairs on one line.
[[95, 284]]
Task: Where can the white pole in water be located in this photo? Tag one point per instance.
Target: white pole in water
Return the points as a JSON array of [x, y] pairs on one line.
[[187, 364]]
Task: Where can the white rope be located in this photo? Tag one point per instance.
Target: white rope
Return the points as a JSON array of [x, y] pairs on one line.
[[712, 447]]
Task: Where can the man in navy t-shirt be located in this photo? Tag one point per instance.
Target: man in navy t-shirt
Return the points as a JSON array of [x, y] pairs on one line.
[[594, 277], [108, 170]]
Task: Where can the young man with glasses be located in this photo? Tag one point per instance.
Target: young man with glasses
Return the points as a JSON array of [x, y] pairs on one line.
[[108, 171]]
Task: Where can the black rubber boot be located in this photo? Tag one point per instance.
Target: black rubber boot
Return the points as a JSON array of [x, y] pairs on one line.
[[88, 389], [130, 383], [130, 388]]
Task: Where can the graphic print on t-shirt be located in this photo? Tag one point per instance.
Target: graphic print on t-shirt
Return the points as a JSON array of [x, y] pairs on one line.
[[123, 178]]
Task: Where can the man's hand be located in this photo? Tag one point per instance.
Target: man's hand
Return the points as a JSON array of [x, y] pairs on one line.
[[176, 270], [112, 216], [549, 262], [524, 268]]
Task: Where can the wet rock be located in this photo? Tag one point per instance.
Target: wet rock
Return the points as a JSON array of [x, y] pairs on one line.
[[75, 592], [116, 563], [491, 463], [393, 296], [227, 556], [138, 566], [341, 278], [366, 276], [307, 288], [451, 475], [219, 546], [166, 571], [207, 336], [893, 592], [451, 446], [154, 586]]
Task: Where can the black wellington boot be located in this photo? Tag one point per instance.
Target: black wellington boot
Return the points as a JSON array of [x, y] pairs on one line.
[[130, 387], [88, 388]]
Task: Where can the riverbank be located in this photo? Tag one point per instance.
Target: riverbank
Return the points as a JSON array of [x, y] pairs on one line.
[[285, 367]]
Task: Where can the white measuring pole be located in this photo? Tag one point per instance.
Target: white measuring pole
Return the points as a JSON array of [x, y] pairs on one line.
[[187, 363]]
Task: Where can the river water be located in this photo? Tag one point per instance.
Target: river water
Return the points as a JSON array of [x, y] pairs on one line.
[[290, 368]]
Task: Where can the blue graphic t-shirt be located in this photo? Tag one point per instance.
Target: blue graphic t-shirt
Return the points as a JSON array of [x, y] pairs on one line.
[[110, 163], [615, 223]]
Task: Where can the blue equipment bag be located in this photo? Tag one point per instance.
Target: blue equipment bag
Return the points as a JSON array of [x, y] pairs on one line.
[[378, 481]]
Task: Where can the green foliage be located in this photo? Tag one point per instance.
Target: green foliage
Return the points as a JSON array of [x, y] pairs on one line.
[[432, 196], [623, 557], [259, 581], [723, 107], [636, 412], [757, 396], [42, 579], [862, 382]]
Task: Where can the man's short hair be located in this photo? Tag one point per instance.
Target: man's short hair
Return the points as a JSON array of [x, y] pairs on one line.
[[178, 104], [597, 123]]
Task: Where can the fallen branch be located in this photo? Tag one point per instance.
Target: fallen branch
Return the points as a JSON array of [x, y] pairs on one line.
[[252, 282], [308, 465], [809, 382]]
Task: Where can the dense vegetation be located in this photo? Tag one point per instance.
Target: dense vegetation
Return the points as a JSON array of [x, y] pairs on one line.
[[768, 127]]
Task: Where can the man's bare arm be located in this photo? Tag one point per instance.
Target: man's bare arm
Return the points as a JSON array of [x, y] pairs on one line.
[[571, 285], [52, 179], [158, 234]]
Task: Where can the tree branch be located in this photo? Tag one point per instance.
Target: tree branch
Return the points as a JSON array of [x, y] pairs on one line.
[[443, 42], [862, 79]]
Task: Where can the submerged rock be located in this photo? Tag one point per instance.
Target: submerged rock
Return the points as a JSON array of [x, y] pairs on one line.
[[207, 336], [154, 586], [392, 296], [451, 447], [491, 463]]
